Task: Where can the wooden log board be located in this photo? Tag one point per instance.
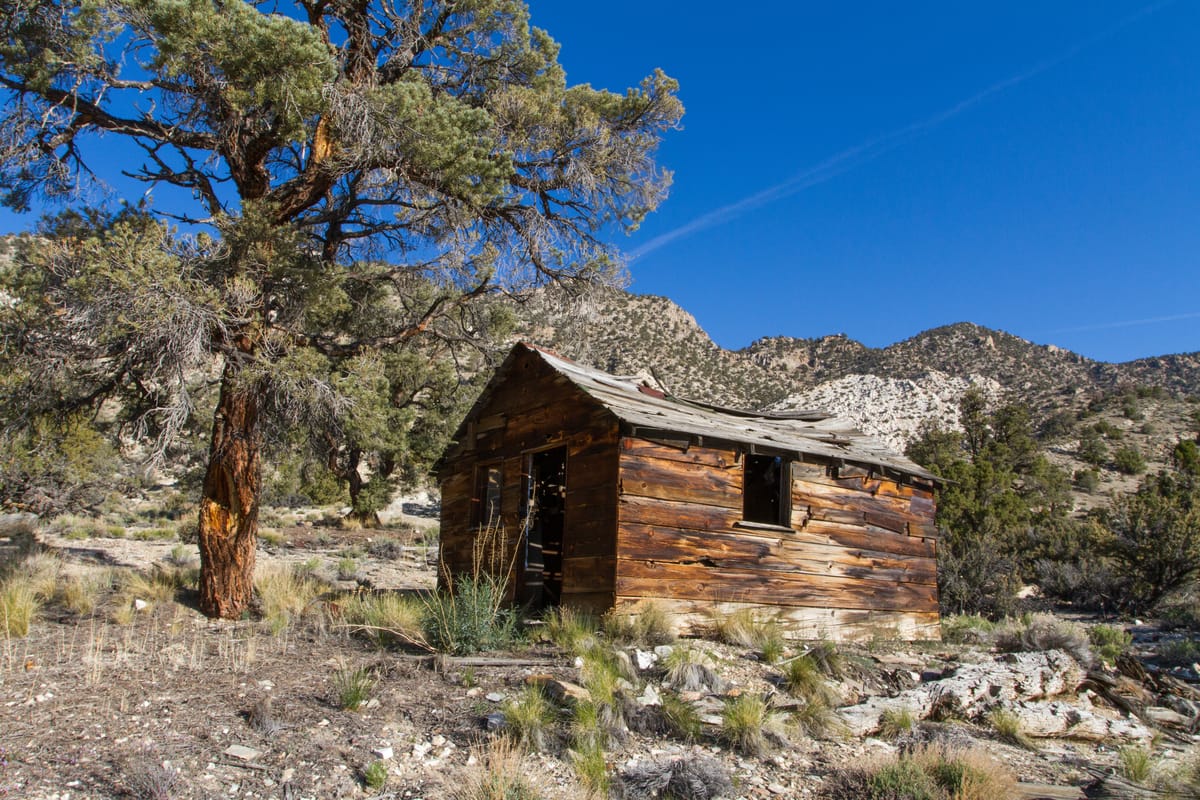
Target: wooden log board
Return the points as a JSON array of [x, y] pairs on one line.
[[699, 582], [719, 458], [589, 574], [895, 511], [680, 514], [776, 552], [673, 480], [696, 616], [701, 518]]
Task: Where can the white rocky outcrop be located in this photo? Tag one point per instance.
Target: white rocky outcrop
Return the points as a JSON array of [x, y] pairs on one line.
[[893, 409]]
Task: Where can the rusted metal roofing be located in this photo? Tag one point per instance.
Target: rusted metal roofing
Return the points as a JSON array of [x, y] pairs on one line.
[[804, 433]]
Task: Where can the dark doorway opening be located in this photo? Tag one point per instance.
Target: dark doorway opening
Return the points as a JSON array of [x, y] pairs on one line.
[[546, 498]]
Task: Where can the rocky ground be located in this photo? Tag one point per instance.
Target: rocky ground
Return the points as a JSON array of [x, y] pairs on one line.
[[163, 703]]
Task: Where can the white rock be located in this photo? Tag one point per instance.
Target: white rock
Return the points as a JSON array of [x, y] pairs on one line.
[[644, 660], [140, 605], [384, 752], [494, 697], [242, 752], [650, 697]]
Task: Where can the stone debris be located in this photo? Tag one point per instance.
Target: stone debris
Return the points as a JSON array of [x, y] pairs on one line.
[[242, 752]]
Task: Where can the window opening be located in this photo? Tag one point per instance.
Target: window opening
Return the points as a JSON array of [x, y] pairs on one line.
[[766, 490], [488, 483]]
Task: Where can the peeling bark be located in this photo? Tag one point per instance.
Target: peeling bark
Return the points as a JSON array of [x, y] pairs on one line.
[[229, 503]]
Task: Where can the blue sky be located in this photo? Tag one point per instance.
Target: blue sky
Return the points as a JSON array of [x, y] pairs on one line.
[[877, 169]]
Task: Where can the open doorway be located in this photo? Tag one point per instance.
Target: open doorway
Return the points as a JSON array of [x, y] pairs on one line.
[[545, 498]]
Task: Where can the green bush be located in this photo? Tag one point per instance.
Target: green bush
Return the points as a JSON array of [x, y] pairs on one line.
[[1129, 460], [471, 618], [1109, 641]]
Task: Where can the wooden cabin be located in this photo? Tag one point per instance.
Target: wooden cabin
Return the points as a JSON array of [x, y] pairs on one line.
[[596, 491]]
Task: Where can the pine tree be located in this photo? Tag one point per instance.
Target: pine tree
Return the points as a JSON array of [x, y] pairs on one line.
[[434, 141]]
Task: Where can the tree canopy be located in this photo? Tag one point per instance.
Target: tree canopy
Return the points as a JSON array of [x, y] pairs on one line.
[[364, 173]]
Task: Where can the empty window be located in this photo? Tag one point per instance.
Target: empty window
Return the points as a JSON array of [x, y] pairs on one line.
[[767, 493], [487, 495]]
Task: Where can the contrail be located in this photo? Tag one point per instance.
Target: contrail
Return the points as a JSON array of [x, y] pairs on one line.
[[872, 149], [1128, 323]]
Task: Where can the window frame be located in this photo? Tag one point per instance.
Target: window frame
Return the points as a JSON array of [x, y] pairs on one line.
[[781, 501]]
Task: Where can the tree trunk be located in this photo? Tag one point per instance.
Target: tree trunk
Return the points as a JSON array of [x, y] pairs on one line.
[[229, 503]]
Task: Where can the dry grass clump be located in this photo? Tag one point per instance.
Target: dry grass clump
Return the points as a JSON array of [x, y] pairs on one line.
[[927, 773], [499, 775], [386, 618], [1007, 726], [19, 604], [896, 722], [160, 585], [530, 718], [699, 778], [80, 594], [804, 677], [571, 629], [646, 624], [690, 669], [1040, 632], [353, 686], [749, 725], [746, 628], [284, 594]]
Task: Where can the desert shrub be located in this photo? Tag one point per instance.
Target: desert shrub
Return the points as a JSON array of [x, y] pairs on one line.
[[530, 718], [698, 778], [347, 568], [647, 624], [188, 531], [1109, 641], [1177, 652], [386, 549], [1129, 460], [1040, 632], [153, 534], [1087, 480], [284, 594], [1073, 563], [150, 778], [749, 725], [353, 686], [375, 775], [967, 629], [1092, 449], [817, 719], [470, 618]]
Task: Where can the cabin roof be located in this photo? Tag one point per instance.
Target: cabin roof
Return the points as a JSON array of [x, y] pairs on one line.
[[652, 411]]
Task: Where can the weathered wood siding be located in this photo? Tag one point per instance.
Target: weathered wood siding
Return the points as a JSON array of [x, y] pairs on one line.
[[537, 409], [859, 559]]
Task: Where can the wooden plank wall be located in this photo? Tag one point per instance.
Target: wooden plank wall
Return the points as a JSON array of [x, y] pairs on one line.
[[535, 408], [859, 558]]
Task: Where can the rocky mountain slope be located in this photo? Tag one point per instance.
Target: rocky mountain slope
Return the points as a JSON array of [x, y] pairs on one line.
[[1143, 405]]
